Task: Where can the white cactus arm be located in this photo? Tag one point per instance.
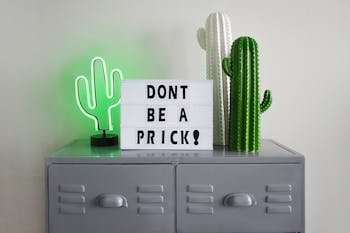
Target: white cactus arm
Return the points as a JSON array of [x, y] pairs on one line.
[[201, 37]]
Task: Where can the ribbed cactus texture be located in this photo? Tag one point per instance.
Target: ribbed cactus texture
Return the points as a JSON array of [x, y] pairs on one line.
[[216, 40], [243, 68]]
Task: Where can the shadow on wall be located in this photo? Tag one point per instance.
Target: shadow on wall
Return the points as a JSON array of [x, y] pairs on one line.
[[140, 56]]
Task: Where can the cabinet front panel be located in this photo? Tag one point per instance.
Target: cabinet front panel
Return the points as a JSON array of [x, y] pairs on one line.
[[111, 198], [240, 198]]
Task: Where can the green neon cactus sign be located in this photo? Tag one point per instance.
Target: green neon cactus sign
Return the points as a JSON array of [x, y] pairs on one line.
[[97, 96]]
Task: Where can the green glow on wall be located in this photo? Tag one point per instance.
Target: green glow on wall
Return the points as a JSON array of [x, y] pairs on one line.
[[137, 54], [97, 97]]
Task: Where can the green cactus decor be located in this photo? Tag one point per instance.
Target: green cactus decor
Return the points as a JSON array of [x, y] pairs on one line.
[[245, 107], [97, 96]]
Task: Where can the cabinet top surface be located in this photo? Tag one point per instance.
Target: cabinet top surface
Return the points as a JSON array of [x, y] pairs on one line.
[[80, 151]]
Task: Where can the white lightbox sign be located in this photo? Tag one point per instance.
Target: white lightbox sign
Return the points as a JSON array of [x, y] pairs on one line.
[[167, 114]]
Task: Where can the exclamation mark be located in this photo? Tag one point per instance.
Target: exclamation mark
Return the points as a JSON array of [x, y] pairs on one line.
[[196, 136]]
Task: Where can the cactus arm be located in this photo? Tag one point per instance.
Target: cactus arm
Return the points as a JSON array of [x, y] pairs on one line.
[[84, 102], [113, 95], [201, 37], [267, 101], [226, 66], [116, 76]]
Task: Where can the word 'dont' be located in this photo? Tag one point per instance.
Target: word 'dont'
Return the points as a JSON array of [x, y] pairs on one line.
[[169, 91]]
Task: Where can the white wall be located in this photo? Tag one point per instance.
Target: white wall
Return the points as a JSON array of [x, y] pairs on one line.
[[304, 55]]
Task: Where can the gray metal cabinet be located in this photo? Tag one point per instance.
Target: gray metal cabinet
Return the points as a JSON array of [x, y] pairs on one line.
[[101, 190], [103, 198], [238, 196]]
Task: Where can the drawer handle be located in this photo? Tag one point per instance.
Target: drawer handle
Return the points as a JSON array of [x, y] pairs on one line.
[[239, 200], [112, 201]]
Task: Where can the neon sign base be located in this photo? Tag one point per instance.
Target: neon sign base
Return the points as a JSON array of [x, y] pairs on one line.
[[102, 140]]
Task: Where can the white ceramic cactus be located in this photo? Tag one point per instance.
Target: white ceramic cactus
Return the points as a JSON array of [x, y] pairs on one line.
[[216, 39]]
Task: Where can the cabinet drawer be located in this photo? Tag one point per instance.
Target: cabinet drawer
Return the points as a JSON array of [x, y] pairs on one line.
[[111, 198], [240, 198]]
